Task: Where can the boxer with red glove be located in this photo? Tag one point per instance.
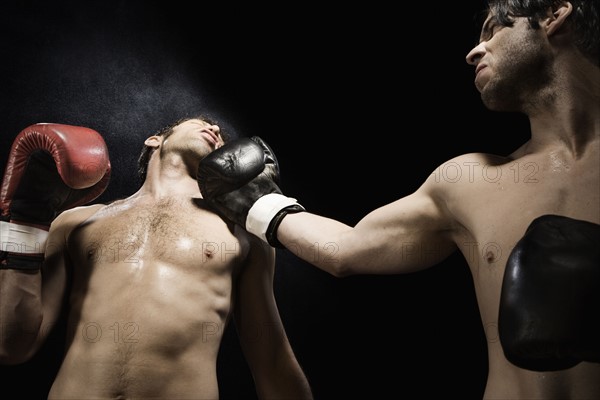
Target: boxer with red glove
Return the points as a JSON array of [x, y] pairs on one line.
[[549, 317], [50, 168], [241, 181]]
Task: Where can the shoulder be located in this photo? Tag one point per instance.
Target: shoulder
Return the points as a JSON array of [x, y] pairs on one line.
[[68, 220], [460, 179], [465, 169], [76, 215], [82, 211], [465, 163]]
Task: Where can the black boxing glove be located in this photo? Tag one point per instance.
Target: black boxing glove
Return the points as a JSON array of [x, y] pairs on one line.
[[240, 180], [549, 316], [50, 168]]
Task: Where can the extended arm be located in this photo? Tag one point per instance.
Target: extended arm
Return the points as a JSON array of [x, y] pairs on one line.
[[240, 180], [407, 235]]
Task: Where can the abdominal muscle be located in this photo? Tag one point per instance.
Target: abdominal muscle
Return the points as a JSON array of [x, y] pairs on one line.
[[143, 340], [147, 324]]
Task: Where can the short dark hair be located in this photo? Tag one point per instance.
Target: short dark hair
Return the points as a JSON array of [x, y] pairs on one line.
[[166, 131], [585, 20]]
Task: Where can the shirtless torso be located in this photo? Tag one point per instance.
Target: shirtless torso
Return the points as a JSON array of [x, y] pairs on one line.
[[480, 205], [148, 285], [493, 207], [152, 286]]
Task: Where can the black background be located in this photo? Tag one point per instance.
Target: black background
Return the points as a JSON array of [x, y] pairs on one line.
[[359, 102]]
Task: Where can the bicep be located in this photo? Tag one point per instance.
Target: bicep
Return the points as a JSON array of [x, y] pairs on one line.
[[407, 235], [54, 270], [57, 263], [25, 308]]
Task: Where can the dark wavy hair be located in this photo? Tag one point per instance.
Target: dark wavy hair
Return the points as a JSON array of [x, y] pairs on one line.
[[585, 19], [166, 131]]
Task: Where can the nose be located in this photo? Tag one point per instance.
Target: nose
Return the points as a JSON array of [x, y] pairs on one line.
[[214, 128], [474, 56]]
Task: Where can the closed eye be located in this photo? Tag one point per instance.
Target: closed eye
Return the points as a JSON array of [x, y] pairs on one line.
[[489, 29]]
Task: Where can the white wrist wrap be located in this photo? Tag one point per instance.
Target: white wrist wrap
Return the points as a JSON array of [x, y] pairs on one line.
[[15, 238], [262, 212]]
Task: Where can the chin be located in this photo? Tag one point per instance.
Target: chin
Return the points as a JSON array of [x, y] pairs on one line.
[[496, 99]]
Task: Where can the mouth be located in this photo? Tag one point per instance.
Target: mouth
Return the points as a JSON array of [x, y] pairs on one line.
[[211, 137], [480, 78], [479, 68]]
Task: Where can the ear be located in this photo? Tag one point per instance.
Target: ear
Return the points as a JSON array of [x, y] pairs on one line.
[[558, 17], [153, 141]]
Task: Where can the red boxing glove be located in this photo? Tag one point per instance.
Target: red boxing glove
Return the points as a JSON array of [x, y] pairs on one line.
[[50, 168]]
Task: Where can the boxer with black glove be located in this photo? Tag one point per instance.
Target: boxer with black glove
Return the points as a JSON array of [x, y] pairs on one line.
[[50, 168], [549, 317], [241, 181]]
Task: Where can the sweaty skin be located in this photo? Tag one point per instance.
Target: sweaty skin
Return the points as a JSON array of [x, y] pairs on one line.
[[149, 284], [481, 204], [151, 295]]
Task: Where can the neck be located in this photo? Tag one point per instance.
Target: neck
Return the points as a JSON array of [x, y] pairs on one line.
[[169, 177], [572, 118]]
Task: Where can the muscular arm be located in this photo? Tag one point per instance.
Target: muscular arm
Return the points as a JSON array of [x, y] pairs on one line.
[[406, 235], [240, 180], [50, 168], [31, 301], [275, 369], [20, 314]]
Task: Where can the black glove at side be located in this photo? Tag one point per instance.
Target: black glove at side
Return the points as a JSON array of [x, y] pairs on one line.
[[549, 317]]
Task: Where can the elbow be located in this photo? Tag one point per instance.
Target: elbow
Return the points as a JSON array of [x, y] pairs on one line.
[[19, 347], [328, 259], [338, 264], [340, 269], [8, 356]]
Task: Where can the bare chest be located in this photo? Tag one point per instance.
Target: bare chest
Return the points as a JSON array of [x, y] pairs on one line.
[[499, 202], [173, 232]]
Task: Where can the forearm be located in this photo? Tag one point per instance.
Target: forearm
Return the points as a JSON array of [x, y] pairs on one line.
[[373, 246], [285, 381], [293, 386], [316, 240], [290, 388], [20, 314]]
